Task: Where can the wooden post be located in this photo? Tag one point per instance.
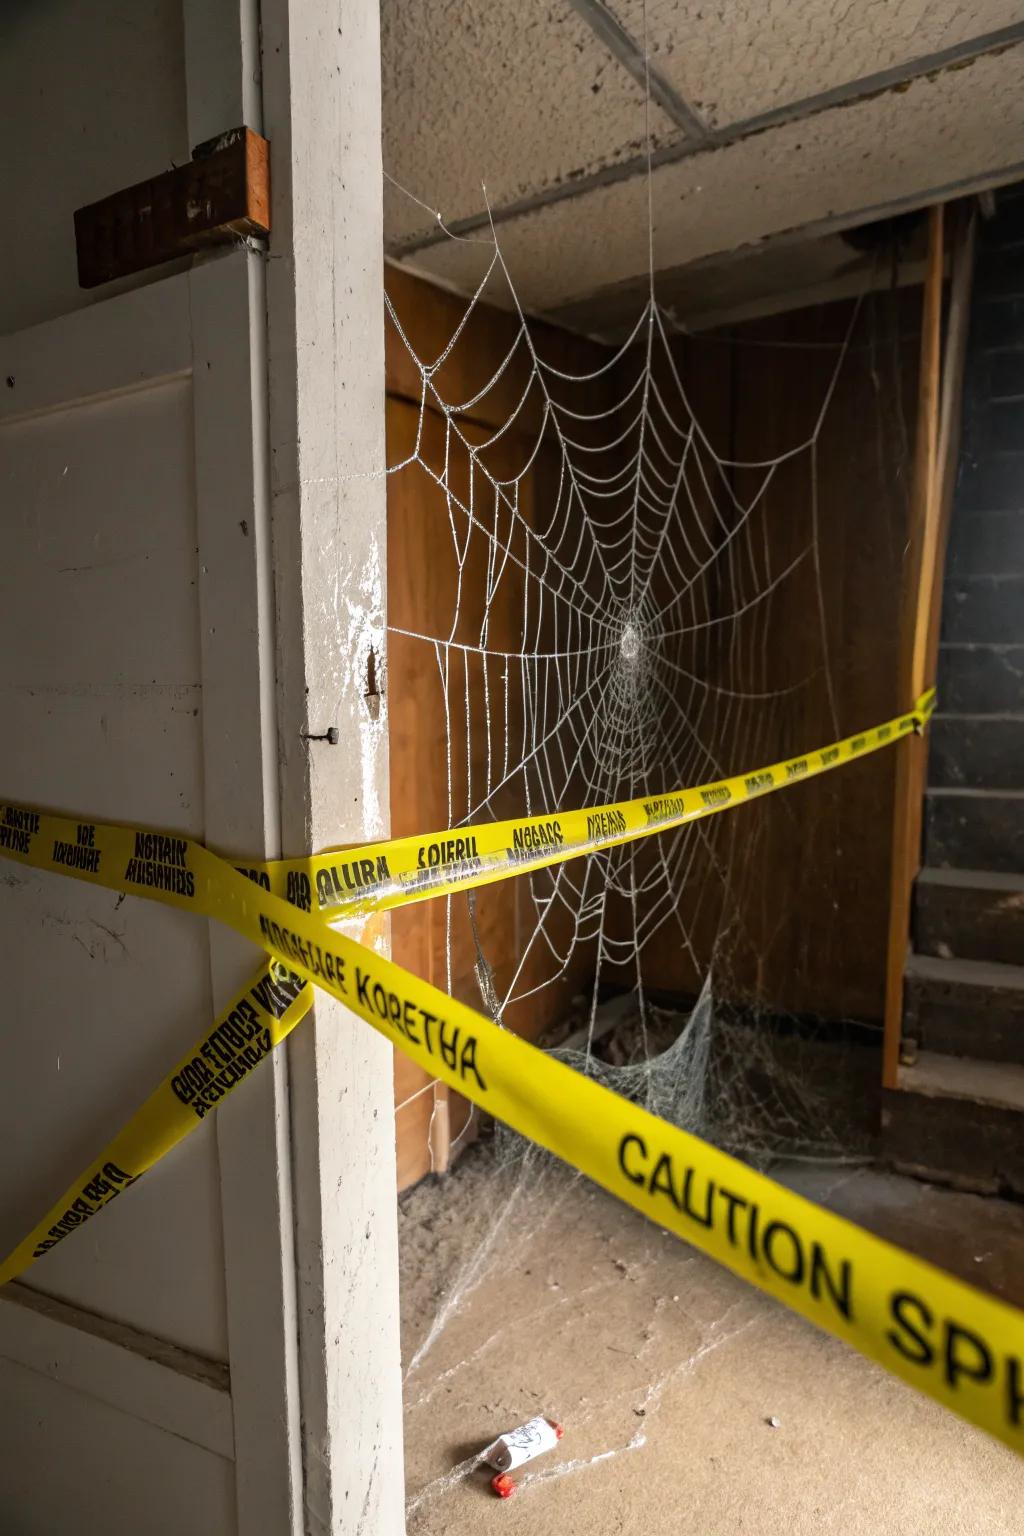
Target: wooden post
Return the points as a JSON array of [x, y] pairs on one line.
[[937, 447], [325, 379], [951, 409], [911, 761]]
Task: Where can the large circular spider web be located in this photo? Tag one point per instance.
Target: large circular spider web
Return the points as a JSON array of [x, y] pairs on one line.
[[607, 634]]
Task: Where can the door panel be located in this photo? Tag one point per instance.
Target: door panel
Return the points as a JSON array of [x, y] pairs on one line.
[[72, 1463], [95, 100], [134, 688], [99, 611]]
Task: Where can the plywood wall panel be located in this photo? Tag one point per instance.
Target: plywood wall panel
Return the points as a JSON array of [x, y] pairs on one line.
[[438, 568], [782, 899]]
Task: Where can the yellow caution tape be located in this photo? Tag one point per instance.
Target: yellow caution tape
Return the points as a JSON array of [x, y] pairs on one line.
[[249, 1028], [378, 876], [964, 1348]]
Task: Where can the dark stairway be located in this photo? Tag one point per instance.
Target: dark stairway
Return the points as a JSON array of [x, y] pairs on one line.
[[958, 1114]]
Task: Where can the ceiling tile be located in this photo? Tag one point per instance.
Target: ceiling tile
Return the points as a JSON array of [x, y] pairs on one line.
[[521, 96], [937, 132], [735, 58]]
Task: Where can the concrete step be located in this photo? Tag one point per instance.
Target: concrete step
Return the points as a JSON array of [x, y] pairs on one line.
[[974, 829], [989, 609], [986, 543], [957, 1121], [969, 914], [970, 1008], [976, 751], [983, 679]]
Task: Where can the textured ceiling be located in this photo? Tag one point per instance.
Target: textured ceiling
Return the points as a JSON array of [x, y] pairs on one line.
[[737, 58], [770, 121], [521, 96]]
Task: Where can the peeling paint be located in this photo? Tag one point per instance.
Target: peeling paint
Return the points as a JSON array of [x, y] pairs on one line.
[[356, 616], [366, 633], [896, 145], [756, 55]]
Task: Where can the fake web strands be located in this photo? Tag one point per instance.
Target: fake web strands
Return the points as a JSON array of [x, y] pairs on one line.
[[601, 630]]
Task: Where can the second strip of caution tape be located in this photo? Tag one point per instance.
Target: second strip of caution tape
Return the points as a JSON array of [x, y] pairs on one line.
[[379, 876], [964, 1348]]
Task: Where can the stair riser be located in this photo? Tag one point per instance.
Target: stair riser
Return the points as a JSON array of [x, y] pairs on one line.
[[1005, 379], [975, 752], [984, 1022], [963, 832], [999, 273], [1007, 226], [1004, 427], [975, 1146], [969, 924], [986, 609], [981, 679], [991, 482], [997, 323], [987, 543]]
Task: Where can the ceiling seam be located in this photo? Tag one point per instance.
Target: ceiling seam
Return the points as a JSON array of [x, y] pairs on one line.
[[853, 91], [833, 224], [621, 44], [880, 81]]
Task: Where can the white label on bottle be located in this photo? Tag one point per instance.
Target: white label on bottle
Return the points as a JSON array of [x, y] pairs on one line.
[[522, 1445]]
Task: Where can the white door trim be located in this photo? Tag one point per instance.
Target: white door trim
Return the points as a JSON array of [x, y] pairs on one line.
[[242, 781], [242, 820]]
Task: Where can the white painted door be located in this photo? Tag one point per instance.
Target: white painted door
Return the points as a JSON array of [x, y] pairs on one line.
[[147, 1365]]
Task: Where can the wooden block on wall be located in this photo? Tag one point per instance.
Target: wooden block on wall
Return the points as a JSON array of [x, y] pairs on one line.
[[223, 193]]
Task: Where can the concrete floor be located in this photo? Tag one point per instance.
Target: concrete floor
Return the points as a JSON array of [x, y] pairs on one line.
[[527, 1291]]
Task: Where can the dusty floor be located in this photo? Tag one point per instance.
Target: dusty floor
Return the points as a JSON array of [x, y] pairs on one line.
[[527, 1291]]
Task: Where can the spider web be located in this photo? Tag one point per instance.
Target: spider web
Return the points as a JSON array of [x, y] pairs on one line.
[[604, 599], [605, 632], [614, 603]]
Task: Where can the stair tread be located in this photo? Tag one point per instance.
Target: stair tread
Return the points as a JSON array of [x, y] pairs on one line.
[[999, 646], [970, 973], [971, 879], [984, 714], [964, 1077], [965, 793]]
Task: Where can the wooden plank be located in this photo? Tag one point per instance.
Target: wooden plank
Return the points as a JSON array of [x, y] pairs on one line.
[[951, 414], [223, 192], [919, 595], [945, 450], [802, 932], [424, 582]]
